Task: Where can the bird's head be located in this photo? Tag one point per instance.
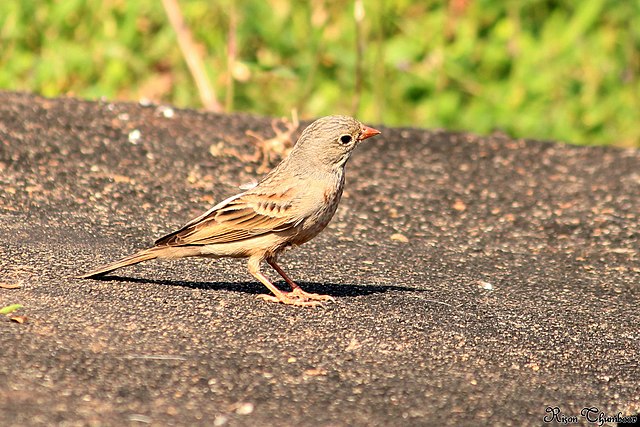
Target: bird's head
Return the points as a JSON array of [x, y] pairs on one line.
[[330, 140]]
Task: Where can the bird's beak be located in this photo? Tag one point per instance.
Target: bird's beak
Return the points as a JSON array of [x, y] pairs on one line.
[[367, 132]]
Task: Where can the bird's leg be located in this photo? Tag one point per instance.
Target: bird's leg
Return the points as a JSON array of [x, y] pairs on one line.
[[297, 290], [278, 295]]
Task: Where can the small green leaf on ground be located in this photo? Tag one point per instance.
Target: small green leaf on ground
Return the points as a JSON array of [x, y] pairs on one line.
[[10, 308]]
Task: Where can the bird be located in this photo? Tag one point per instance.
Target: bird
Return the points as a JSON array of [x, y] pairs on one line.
[[291, 205]]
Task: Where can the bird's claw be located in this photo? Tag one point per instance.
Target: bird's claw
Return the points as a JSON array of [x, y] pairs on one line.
[[299, 298], [299, 293]]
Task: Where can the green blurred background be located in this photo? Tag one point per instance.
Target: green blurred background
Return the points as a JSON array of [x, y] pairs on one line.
[[561, 70]]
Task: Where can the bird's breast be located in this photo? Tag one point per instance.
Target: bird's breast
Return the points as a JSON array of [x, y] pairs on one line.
[[325, 205]]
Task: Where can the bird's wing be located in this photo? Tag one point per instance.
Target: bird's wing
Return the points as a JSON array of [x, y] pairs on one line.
[[240, 217]]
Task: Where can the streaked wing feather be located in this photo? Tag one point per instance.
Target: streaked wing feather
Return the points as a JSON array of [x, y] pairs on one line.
[[237, 218]]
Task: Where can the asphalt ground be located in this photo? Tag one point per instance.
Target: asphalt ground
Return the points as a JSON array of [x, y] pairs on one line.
[[478, 280]]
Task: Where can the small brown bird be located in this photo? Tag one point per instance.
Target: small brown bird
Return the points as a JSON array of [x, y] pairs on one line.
[[290, 206]]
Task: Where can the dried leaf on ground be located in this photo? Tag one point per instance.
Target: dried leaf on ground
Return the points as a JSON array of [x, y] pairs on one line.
[[10, 285]]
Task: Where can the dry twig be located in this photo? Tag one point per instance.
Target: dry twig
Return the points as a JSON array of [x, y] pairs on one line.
[[190, 53], [278, 146], [358, 14]]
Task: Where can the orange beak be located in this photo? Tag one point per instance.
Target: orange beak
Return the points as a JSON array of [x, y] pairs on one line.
[[368, 132]]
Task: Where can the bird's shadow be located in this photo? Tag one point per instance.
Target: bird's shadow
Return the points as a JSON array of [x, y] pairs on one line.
[[332, 289]]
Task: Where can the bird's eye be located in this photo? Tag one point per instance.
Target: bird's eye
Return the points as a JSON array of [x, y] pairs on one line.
[[345, 139]]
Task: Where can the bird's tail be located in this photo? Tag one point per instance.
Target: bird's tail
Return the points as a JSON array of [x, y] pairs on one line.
[[143, 255]]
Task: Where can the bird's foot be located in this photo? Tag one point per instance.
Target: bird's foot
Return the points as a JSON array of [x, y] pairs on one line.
[[299, 298], [299, 293]]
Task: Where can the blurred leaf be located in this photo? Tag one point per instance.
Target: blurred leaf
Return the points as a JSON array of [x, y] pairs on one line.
[[10, 308]]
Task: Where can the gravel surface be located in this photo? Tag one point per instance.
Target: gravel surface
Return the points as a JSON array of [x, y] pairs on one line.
[[479, 280]]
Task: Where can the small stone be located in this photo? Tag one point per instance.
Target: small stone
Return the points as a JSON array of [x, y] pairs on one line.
[[134, 136], [400, 238], [217, 150], [220, 420], [245, 408], [485, 285], [167, 112], [459, 205]]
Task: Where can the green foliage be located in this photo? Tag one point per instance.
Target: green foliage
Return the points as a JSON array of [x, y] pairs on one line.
[[532, 68]]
